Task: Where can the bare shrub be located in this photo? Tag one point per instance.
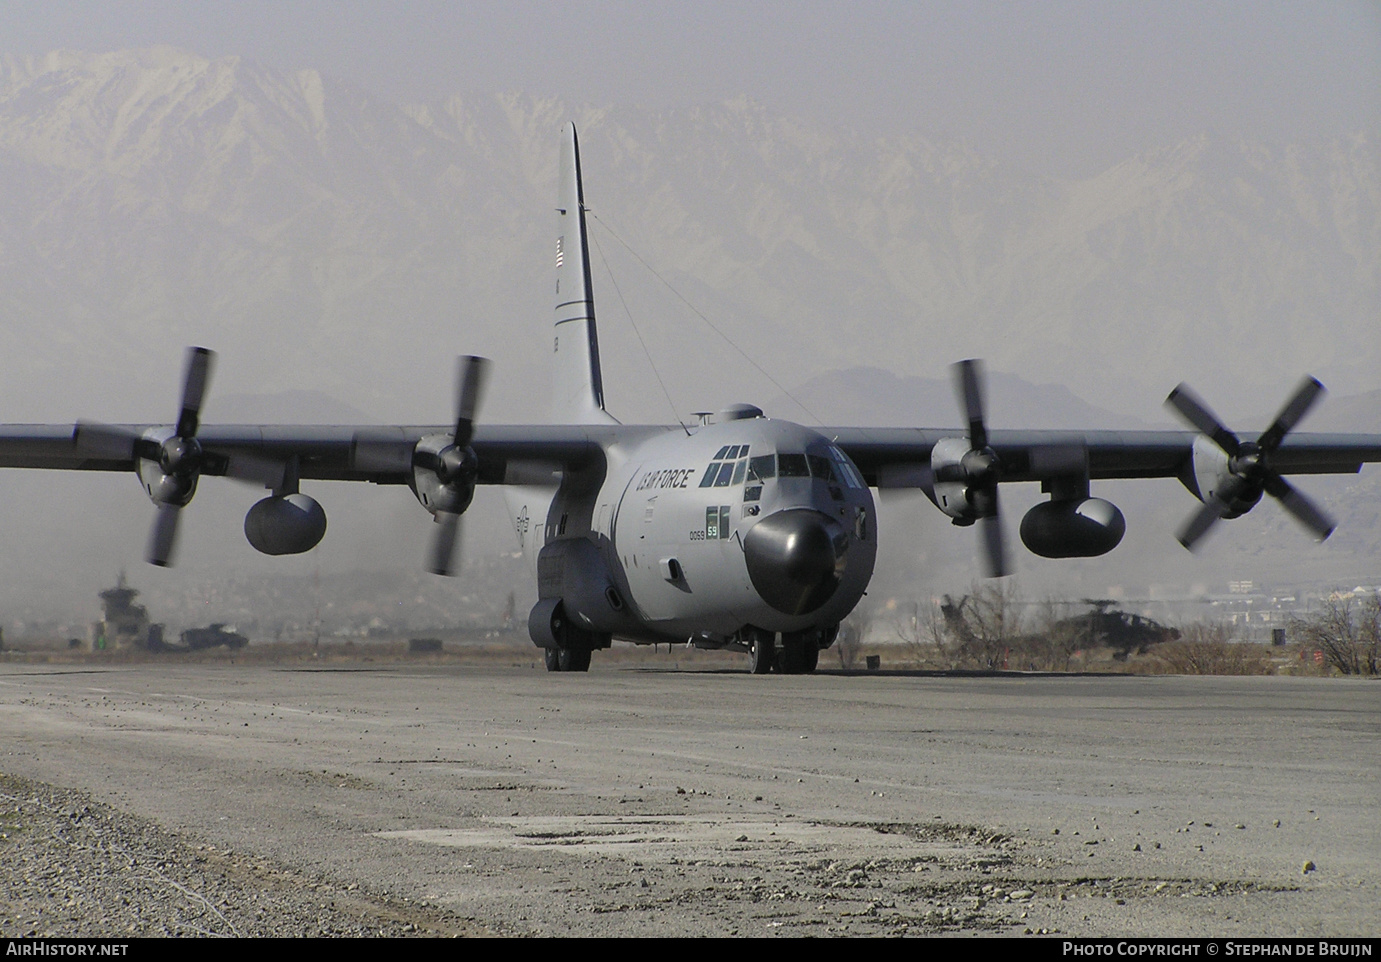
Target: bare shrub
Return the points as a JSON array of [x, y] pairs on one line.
[[1058, 635], [981, 629], [1207, 648], [849, 643], [922, 631], [1348, 634]]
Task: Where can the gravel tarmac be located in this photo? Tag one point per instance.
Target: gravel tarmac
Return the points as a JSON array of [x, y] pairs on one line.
[[479, 800]]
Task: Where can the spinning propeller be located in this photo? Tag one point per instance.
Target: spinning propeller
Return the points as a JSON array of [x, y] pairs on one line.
[[979, 468], [456, 467], [173, 464], [1249, 465], [963, 474]]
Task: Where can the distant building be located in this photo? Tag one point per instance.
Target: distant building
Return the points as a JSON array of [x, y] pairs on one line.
[[126, 625]]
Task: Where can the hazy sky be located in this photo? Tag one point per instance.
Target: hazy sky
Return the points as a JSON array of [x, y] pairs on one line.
[[1082, 83]]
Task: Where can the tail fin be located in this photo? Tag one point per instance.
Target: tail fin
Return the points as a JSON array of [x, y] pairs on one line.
[[578, 388]]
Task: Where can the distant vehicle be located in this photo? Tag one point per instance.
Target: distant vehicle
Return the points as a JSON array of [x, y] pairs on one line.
[[747, 533], [1123, 631], [213, 636], [972, 624]]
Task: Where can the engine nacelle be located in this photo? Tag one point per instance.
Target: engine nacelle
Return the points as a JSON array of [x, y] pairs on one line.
[[949, 487], [290, 524], [1073, 529], [1212, 469], [167, 487], [443, 475]]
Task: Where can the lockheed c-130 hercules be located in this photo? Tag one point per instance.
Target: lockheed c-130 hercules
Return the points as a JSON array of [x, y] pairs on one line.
[[749, 533]]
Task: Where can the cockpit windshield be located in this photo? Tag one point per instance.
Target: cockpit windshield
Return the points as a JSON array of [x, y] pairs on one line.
[[831, 466], [727, 468], [732, 466]]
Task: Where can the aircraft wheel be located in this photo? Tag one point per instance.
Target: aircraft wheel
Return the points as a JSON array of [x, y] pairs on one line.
[[763, 652], [794, 660], [553, 658], [810, 656], [574, 658]]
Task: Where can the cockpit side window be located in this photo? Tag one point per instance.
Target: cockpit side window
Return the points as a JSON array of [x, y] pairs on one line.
[[844, 469], [762, 468], [820, 467]]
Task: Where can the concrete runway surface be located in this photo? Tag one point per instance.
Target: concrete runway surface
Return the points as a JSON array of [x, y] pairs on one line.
[[459, 799]]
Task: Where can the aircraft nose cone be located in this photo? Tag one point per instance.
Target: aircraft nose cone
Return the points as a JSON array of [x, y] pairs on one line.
[[795, 559]]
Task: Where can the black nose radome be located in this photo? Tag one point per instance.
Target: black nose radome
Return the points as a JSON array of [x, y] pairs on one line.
[[795, 559]]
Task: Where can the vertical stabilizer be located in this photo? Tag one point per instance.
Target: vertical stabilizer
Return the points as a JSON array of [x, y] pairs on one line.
[[578, 387]]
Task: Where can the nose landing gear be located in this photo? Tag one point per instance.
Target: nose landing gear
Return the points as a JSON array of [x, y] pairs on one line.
[[797, 654], [762, 651], [800, 652]]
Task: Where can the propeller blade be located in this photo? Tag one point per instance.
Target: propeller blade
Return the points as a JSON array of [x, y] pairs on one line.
[[994, 544], [1294, 411], [1196, 412], [441, 557], [194, 383], [105, 441], [1210, 512], [968, 385], [1306, 512], [1199, 523], [163, 537], [470, 380]]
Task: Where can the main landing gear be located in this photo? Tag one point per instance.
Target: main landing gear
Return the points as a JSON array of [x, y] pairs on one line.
[[573, 649], [569, 658]]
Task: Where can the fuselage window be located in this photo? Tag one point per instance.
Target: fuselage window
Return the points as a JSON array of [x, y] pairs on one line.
[[792, 466], [726, 475], [711, 473], [717, 522], [739, 467], [723, 453]]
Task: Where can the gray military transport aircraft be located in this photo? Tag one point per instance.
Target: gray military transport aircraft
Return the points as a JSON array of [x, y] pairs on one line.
[[748, 533]]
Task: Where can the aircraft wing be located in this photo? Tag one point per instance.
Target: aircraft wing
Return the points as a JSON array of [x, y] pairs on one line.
[[382, 455], [882, 454]]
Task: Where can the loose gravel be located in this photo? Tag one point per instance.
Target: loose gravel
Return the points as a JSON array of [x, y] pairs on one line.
[[71, 867]]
